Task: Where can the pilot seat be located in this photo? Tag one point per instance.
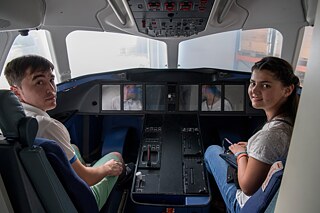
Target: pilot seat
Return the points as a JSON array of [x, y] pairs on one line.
[[36, 172]]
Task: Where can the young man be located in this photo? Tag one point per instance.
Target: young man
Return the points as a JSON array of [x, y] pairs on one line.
[[31, 78]]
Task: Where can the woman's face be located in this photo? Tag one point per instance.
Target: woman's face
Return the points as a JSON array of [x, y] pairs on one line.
[[266, 92]]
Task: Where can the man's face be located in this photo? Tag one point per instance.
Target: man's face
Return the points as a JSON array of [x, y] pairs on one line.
[[129, 92], [37, 89], [206, 91]]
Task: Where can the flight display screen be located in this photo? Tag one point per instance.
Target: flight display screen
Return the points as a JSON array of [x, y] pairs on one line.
[[110, 97], [179, 97], [156, 97], [222, 97], [211, 98], [235, 95], [188, 97], [126, 97]]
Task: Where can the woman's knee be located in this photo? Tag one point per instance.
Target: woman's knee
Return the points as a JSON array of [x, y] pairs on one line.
[[212, 150]]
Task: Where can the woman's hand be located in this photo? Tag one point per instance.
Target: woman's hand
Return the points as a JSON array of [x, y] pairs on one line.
[[238, 147], [243, 144]]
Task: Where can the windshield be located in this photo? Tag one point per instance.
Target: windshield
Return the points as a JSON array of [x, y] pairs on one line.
[[94, 52], [235, 50]]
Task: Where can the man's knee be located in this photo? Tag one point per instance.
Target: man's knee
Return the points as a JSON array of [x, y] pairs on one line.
[[118, 155]]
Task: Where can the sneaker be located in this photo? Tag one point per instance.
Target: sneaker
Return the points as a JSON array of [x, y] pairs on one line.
[[126, 175]]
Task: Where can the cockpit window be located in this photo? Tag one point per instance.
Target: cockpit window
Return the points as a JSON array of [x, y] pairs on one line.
[[95, 52], [301, 67], [35, 43], [235, 50]]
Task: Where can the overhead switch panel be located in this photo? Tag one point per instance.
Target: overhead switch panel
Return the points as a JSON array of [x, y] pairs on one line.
[[163, 18]]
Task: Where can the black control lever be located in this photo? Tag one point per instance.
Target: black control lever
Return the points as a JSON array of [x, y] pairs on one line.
[[149, 155]]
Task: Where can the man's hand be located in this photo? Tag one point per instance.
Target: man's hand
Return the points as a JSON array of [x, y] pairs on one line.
[[114, 167]]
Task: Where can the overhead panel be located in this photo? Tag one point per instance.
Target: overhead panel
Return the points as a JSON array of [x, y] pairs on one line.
[[162, 18]]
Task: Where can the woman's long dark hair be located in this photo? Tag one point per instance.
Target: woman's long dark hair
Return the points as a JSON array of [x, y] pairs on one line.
[[283, 72]]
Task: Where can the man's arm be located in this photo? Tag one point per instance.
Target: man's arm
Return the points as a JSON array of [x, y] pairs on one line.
[[92, 175], [56, 131]]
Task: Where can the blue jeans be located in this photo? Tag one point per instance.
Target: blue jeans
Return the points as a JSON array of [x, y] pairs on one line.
[[218, 168]]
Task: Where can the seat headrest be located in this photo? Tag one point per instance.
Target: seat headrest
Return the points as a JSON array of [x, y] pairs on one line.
[[13, 121]]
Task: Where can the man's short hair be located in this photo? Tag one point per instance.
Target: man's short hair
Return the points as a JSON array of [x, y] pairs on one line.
[[17, 68]]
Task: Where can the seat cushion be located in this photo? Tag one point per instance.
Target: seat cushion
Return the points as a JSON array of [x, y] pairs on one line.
[[78, 191]]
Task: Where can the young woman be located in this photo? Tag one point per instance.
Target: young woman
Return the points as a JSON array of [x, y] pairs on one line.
[[273, 88]]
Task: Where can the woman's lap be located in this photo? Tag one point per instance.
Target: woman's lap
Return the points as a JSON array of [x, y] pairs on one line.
[[218, 168]]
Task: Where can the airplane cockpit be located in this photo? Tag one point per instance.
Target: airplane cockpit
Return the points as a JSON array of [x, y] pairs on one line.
[[160, 82], [163, 126]]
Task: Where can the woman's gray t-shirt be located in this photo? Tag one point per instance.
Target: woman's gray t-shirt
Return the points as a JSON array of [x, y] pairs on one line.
[[271, 143], [268, 145]]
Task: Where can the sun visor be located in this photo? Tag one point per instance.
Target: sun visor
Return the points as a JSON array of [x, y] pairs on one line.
[[21, 14]]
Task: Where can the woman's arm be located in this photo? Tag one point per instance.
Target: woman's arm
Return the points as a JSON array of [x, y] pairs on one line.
[[251, 172]]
